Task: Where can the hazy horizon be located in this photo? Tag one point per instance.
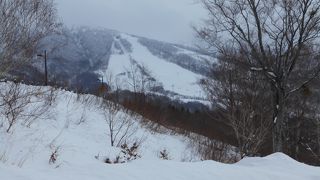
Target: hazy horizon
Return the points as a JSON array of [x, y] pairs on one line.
[[163, 20]]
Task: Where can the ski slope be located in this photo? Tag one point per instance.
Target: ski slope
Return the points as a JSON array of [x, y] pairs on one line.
[[171, 76]]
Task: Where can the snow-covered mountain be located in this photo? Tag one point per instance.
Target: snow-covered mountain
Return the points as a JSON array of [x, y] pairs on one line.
[[84, 57]]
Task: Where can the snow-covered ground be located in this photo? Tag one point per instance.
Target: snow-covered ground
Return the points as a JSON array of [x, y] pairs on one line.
[[276, 166], [171, 76], [77, 129]]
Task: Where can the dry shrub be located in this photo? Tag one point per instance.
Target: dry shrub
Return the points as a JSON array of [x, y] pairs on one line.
[[209, 149], [24, 104]]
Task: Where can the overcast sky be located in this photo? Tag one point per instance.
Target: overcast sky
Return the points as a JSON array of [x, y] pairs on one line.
[[167, 20]]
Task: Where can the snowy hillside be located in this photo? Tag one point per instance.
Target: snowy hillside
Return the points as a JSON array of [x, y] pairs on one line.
[[81, 56], [74, 131], [170, 76], [76, 125]]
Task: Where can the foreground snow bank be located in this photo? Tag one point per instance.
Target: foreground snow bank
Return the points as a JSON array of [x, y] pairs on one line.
[[274, 167]]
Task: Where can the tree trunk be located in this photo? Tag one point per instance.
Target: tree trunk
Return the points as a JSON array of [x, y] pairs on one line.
[[278, 120], [318, 136], [297, 138]]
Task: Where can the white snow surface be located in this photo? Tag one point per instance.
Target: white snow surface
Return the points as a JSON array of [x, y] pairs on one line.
[[171, 76], [25, 152]]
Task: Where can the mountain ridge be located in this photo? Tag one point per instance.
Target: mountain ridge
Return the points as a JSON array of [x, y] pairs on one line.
[[80, 57]]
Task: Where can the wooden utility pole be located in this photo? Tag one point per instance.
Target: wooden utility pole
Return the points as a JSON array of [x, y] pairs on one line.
[[45, 67]]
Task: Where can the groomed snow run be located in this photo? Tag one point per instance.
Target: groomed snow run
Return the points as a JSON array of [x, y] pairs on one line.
[[173, 77]]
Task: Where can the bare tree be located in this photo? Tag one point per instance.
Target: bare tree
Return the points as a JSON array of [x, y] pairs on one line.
[[21, 104], [236, 95], [23, 23], [140, 78], [121, 125], [276, 38], [303, 131], [112, 82]]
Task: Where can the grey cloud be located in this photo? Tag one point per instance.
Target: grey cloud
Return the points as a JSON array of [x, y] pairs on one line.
[[168, 20]]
